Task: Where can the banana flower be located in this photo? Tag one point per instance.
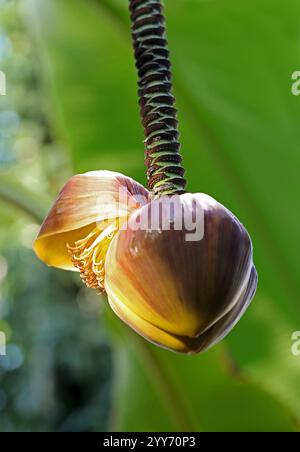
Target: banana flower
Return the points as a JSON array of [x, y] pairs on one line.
[[182, 294], [176, 267]]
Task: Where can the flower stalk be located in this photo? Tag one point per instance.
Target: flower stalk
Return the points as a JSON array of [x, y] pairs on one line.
[[165, 173]]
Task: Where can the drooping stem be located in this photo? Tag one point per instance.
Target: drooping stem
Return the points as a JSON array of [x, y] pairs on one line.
[[159, 116]]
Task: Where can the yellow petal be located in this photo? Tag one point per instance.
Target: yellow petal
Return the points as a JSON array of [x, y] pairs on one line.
[[87, 201]]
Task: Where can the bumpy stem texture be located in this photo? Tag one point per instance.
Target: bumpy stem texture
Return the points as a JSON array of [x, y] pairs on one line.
[[163, 161]]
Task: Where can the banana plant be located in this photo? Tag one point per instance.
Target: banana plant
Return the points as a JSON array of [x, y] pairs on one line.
[[232, 128]]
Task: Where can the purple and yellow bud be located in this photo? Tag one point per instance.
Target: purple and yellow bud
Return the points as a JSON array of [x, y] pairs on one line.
[[178, 270], [181, 293]]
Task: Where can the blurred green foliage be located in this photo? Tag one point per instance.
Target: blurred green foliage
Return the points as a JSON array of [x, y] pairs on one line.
[[56, 375], [57, 372], [74, 108]]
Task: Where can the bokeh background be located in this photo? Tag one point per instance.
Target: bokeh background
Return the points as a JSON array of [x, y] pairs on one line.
[[71, 106]]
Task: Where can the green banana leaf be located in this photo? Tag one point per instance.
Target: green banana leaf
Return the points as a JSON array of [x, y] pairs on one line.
[[233, 63]]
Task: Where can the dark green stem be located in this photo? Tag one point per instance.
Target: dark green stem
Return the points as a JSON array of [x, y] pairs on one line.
[[159, 116]]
